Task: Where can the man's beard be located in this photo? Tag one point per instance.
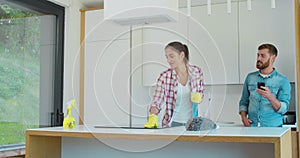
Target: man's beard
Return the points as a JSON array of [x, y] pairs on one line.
[[260, 65]]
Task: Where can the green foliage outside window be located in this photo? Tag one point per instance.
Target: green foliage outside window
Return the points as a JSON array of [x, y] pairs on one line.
[[19, 73]]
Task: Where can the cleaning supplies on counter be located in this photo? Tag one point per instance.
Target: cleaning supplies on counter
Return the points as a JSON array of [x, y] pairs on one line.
[[200, 124], [69, 120], [196, 98]]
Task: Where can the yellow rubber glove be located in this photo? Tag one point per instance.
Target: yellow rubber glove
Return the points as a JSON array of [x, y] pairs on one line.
[[152, 121], [196, 97]]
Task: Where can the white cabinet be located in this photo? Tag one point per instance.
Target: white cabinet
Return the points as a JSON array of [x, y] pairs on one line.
[[263, 24], [106, 89], [225, 45], [106, 72], [213, 42], [98, 29]]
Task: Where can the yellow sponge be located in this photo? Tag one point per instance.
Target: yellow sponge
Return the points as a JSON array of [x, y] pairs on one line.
[[196, 97]]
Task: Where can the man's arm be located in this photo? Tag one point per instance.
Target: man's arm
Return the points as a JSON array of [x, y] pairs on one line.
[[268, 95], [243, 105], [281, 103], [244, 102], [245, 119]]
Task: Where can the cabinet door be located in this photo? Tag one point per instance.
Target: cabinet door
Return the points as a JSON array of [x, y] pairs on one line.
[[213, 41], [155, 38], [141, 95], [106, 83], [266, 25], [98, 29]]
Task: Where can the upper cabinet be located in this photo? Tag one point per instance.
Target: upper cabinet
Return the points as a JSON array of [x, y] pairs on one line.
[[213, 42], [266, 25], [224, 45]]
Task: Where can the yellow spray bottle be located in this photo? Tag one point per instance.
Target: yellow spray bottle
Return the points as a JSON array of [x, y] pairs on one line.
[[69, 120]]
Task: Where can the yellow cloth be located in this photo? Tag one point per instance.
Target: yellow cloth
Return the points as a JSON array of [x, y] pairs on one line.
[[196, 97], [152, 121]]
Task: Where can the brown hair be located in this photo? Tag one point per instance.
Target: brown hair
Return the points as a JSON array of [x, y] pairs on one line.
[[179, 47], [272, 49]]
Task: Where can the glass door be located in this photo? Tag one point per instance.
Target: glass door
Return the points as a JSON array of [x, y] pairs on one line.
[[31, 77]]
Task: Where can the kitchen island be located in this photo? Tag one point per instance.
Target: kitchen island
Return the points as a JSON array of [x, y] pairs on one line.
[[89, 141]]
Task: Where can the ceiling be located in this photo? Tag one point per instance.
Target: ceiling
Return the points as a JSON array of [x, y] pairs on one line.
[[182, 3], [92, 3]]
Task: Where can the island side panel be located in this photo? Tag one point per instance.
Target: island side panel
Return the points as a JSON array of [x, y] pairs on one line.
[[43, 146], [284, 145]]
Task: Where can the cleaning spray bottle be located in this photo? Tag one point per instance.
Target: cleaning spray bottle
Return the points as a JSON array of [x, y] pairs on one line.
[[69, 120], [196, 98]]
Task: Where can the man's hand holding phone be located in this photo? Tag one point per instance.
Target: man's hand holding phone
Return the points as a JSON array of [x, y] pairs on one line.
[[264, 91], [260, 85]]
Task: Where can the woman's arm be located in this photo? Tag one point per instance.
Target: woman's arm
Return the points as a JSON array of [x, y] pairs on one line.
[[158, 96]]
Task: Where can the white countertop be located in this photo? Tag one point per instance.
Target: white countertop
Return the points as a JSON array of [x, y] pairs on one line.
[[231, 131]]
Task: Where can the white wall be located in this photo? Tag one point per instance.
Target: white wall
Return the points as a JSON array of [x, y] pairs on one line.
[[72, 49]]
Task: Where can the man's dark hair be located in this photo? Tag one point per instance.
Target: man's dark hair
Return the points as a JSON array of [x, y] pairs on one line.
[[272, 49]]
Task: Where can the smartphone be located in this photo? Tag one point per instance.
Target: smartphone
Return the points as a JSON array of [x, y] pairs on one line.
[[260, 84]]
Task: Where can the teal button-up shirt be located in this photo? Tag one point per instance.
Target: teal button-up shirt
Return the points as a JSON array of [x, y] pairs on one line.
[[259, 109]]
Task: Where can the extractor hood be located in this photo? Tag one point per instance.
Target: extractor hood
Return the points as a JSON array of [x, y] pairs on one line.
[[139, 12]]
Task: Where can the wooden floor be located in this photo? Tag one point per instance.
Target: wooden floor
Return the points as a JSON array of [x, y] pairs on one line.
[[19, 153]]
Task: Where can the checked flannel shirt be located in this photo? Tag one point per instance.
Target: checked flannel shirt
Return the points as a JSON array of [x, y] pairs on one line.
[[166, 90]]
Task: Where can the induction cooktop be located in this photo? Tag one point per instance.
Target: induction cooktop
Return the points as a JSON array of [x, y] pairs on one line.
[[124, 127]]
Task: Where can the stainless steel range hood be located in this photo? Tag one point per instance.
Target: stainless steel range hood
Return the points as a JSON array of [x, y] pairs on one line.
[[139, 12]]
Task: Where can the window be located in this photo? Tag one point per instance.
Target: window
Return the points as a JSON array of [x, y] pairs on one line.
[[31, 67]]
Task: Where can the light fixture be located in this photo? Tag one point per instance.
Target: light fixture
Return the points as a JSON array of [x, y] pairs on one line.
[[249, 6], [208, 7], [273, 4], [228, 6], [189, 7]]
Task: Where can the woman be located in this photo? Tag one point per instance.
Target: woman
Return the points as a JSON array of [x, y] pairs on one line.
[[175, 87]]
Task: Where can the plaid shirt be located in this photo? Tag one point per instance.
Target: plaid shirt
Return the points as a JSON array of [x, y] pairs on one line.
[[166, 90]]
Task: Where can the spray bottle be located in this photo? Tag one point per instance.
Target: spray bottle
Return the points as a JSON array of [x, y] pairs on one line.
[[196, 98], [69, 120]]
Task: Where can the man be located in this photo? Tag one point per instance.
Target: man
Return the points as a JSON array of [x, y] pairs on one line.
[[264, 106]]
